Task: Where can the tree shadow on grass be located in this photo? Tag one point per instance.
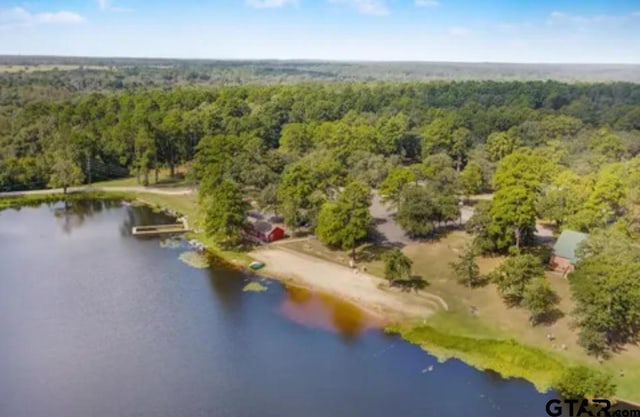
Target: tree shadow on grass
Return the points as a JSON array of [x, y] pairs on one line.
[[436, 235], [370, 253], [415, 283], [550, 318], [480, 282]]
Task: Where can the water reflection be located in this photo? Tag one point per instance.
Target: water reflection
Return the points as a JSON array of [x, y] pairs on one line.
[[227, 289], [72, 215], [143, 216], [325, 312]]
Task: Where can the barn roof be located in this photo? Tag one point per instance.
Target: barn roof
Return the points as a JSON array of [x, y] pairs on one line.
[[263, 227], [567, 243]]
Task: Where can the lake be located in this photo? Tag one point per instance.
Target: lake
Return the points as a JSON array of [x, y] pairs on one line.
[[97, 323]]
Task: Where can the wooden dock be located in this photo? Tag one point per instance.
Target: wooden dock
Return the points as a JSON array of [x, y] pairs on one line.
[[160, 229]]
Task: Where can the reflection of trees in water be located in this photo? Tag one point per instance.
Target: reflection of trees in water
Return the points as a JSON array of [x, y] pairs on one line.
[[299, 296], [348, 320], [143, 216], [73, 214], [323, 310], [128, 222], [227, 285]]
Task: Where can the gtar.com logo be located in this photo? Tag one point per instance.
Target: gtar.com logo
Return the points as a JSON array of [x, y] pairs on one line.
[[585, 408]]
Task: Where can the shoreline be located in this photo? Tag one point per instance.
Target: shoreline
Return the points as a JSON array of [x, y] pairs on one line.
[[378, 305], [365, 291]]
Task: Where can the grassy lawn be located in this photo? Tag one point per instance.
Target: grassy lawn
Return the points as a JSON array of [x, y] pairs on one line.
[[507, 357], [164, 180]]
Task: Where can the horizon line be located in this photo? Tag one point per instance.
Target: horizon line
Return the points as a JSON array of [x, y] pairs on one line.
[[316, 60]]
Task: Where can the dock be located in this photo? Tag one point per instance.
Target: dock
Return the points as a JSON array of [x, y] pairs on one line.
[[161, 229]]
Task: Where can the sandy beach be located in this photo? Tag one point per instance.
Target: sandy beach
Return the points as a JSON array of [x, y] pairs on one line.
[[367, 291]]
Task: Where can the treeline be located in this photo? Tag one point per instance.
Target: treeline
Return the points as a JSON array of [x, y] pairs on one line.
[[369, 126]]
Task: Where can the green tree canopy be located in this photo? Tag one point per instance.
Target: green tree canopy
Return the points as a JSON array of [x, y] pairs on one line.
[[225, 217], [471, 178], [466, 269], [606, 290], [515, 274], [539, 299], [392, 187], [346, 222], [397, 265], [417, 212]]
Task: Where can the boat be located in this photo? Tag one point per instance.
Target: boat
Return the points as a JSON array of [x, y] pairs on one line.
[[255, 265]]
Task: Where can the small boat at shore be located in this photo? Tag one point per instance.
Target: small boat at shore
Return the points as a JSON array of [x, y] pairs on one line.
[[255, 265]]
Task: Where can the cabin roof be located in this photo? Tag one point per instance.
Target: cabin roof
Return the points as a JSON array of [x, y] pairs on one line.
[[567, 244], [263, 227]]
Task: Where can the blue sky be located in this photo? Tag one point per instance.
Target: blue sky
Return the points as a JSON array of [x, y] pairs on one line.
[[605, 31]]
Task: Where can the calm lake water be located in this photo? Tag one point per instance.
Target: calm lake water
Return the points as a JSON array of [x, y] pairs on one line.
[[94, 322]]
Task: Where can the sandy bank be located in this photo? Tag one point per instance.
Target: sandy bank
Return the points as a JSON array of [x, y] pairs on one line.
[[365, 290]]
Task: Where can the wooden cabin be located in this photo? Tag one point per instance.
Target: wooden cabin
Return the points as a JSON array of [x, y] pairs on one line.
[[564, 257]]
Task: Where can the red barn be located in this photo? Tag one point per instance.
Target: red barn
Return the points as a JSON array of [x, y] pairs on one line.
[[266, 231], [263, 230]]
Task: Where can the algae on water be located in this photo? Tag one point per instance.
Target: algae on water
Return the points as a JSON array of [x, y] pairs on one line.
[[170, 243], [194, 259], [254, 286]]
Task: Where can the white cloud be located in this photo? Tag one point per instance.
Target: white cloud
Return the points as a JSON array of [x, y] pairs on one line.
[[368, 7], [427, 3], [460, 31], [19, 17]]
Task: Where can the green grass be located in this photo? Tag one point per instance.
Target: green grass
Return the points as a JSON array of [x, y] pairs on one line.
[[506, 357], [165, 180]]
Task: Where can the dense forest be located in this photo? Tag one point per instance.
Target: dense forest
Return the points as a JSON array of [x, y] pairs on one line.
[[138, 131], [567, 153], [63, 75]]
